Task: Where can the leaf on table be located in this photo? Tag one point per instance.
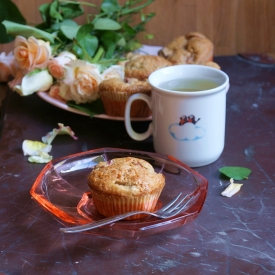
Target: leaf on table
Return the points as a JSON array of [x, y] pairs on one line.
[[235, 172]]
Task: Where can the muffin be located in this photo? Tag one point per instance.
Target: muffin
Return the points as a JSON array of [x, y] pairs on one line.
[[125, 184], [193, 48], [114, 93], [141, 66]]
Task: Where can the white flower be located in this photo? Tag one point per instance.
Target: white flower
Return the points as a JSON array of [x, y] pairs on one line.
[[56, 64], [114, 71], [36, 81], [81, 82], [232, 189], [65, 57]]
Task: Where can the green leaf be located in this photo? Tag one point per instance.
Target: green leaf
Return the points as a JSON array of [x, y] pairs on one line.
[[57, 12], [69, 28], [9, 11], [149, 36], [80, 52], [71, 10], [129, 30], [106, 24], [35, 71], [77, 50], [110, 6], [109, 38], [86, 40], [93, 108], [235, 172], [44, 10], [103, 64], [121, 42], [17, 29], [54, 11]]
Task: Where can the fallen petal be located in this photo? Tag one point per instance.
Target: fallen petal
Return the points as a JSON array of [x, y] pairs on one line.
[[62, 130], [41, 158], [232, 189], [32, 148]]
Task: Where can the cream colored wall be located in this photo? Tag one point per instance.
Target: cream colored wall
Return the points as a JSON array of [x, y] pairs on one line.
[[233, 25]]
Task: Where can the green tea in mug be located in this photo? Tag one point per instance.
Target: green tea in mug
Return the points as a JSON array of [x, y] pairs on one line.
[[188, 85]]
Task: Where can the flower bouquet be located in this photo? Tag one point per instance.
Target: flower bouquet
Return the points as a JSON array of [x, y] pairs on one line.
[[67, 59]]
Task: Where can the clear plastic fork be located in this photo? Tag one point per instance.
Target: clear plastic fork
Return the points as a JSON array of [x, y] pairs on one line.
[[171, 209]]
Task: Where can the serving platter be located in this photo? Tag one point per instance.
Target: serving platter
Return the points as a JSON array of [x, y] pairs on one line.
[[62, 190], [145, 49], [62, 105]]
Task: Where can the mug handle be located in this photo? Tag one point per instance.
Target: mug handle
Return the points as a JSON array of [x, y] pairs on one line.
[[127, 118]]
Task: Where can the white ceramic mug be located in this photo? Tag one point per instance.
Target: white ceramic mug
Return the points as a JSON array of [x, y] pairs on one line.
[[188, 125]]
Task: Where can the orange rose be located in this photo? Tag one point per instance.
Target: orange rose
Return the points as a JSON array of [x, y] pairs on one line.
[[54, 92], [56, 65], [31, 53]]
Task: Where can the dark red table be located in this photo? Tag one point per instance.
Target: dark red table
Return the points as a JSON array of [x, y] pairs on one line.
[[231, 235]]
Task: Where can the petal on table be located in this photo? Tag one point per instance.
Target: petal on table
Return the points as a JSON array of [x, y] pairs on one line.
[[232, 189]]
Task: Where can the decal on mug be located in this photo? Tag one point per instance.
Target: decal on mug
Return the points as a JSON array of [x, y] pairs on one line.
[[186, 129]]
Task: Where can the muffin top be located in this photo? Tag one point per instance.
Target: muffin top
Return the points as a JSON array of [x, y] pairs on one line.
[[193, 48], [141, 66], [129, 85], [126, 177]]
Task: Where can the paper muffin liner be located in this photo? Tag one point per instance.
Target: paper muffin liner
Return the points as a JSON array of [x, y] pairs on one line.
[[112, 205], [114, 104]]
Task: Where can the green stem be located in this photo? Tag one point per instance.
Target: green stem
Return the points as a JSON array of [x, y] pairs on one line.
[[136, 9], [98, 54], [78, 3]]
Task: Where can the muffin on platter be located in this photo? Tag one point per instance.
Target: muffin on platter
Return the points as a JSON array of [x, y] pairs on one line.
[[141, 66], [193, 48], [123, 185], [114, 93]]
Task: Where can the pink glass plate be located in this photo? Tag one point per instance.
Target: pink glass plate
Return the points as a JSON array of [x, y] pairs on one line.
[[61, 188]]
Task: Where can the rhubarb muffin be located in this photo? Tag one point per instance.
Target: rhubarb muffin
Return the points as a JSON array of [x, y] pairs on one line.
[[193, 48], [114, 93], [123, 185], [141, 66]]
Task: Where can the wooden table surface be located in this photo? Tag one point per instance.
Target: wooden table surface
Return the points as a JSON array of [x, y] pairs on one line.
[[230, 236]]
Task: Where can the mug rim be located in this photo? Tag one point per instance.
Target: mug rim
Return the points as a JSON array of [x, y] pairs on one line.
[[168, 69]]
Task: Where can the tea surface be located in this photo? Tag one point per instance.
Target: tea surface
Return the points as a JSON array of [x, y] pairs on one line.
[[188, 85]]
